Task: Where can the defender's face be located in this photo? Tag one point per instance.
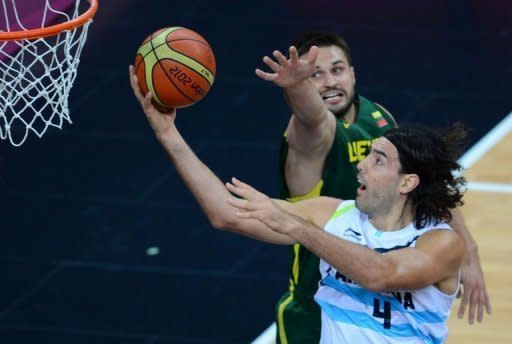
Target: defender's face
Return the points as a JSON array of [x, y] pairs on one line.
[[380, 178], [334, 79]]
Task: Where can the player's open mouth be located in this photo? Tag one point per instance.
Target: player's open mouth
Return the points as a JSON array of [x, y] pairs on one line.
[[362, 186], [332, 97]]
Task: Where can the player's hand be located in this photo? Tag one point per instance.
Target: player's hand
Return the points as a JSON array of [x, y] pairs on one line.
[[289, 72], [161, 121], [253, 204], [474, 291]]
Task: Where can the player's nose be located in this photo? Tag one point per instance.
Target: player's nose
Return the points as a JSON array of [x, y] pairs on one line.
[[329, 80]]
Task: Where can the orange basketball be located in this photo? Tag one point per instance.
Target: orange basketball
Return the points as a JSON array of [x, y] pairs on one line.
[[176, 65]]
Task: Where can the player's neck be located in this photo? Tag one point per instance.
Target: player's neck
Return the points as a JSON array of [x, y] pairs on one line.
[[393, 219], [350, 116]]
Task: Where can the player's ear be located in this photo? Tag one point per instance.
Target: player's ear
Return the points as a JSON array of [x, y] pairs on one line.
[[353, 72], [409, 183]]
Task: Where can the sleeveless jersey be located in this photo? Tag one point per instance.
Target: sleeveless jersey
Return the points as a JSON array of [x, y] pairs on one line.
[[351, 145], [352, 314]]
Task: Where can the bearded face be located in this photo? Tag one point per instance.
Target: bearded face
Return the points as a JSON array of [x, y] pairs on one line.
[[334, 79]]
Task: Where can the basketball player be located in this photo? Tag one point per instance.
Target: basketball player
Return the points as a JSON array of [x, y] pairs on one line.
[[329, 133], [390, 263]]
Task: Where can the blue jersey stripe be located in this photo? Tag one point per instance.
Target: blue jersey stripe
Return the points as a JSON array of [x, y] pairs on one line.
[[368, 322], [367, 297]]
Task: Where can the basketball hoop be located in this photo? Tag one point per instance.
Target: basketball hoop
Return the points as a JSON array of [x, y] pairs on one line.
[[40, 47]]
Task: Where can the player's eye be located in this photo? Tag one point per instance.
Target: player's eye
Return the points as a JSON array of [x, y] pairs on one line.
[[337, 70]]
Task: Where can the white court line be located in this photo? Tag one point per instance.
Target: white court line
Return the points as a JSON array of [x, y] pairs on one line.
[[268, 336], [474, 154], [485, 144], [489, 187]]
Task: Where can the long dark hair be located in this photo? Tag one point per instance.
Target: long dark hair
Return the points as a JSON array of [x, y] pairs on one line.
[[432, 154]]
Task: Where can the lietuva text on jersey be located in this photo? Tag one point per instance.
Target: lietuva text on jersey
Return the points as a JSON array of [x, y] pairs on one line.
[[358, 150]]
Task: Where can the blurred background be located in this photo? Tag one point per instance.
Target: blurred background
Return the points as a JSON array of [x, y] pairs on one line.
[[101, 242]]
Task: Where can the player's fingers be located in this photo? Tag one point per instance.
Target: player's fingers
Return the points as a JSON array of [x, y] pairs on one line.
[[235, 189], [480, 307], [280, 57], [237, 202], [463, 304], [249, 192], [146, 102], [239, 183], [294, 55], [245, 186], [244, 206], [243, 191], [487, 303], [244, 214], [312, 54], [271, 63], [473, 302], [264, 75]]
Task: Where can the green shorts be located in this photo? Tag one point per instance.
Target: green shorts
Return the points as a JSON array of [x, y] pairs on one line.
[[298, 320]]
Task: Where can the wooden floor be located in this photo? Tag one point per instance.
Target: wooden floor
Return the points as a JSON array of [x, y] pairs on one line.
[[488, 213]]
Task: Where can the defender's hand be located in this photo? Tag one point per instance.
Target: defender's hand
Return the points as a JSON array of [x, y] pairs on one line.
[[289, 72]]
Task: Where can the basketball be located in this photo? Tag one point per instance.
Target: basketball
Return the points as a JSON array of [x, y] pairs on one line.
[[176, 65]]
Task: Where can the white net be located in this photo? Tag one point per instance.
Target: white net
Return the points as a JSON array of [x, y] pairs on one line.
[[36, 75]]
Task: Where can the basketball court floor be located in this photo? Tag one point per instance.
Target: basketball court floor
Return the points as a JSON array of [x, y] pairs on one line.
[[100, 242]]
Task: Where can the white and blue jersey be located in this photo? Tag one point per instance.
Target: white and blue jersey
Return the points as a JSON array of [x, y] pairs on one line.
[[352, 314]]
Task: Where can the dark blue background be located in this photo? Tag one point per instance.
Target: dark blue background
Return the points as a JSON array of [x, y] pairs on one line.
[[80, 207]]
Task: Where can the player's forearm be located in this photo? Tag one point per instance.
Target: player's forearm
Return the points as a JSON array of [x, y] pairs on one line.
[[207, 189], [306, 103], [360, 264]]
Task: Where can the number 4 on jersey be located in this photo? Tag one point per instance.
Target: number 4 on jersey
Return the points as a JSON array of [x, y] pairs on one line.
[[385, 313]]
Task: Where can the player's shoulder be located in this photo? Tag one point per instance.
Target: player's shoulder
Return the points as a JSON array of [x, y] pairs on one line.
[[442, 239], [395, 124]]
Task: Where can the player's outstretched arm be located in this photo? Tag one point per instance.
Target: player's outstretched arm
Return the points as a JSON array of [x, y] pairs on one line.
[[311, 129], [436, 258], [207, 189]]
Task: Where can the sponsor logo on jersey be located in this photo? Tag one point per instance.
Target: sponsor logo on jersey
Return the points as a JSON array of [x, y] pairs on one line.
[[349, 232]]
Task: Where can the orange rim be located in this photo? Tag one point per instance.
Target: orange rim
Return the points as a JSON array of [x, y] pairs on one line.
[[54, 29]]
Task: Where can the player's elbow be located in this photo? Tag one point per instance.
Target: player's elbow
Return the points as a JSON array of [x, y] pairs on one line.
[[220, 222]]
